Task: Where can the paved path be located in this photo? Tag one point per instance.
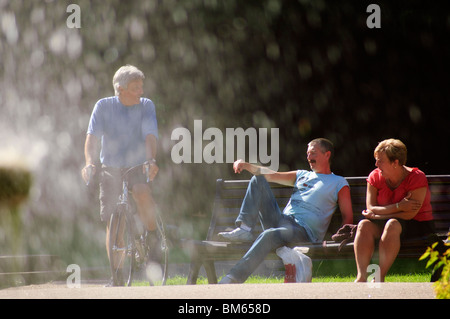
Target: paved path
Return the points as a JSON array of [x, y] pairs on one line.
[[243, 291]]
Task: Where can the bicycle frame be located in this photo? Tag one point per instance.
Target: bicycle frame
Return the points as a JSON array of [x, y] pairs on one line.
[[123, 198]]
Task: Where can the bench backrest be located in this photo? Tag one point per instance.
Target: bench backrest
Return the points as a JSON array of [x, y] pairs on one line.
[[230, 193]]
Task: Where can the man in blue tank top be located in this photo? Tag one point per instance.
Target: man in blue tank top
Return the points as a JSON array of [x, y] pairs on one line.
[[316, 195]]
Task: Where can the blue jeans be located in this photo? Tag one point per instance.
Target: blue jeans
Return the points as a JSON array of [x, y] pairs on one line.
[[279, 229]]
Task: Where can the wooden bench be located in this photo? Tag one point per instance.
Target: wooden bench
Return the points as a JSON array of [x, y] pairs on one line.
[[228, 200]]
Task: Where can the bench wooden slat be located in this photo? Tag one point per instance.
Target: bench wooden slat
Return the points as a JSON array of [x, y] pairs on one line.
[[240, 193], [237, 202]]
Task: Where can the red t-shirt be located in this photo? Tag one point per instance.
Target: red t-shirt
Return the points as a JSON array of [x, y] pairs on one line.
[[414, 180]]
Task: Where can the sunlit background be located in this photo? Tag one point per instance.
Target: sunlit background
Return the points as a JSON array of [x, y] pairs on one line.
[[310, 68]]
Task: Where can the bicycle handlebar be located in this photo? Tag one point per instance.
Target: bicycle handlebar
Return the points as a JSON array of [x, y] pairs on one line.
[[146, 165], [90, 168], [147, 170]]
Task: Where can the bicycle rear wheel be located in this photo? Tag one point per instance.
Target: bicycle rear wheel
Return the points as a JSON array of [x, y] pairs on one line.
[[121, 248]]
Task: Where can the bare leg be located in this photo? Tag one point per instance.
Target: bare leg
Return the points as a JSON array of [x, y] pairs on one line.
[[364, 246], [146, 206], [389, 246]]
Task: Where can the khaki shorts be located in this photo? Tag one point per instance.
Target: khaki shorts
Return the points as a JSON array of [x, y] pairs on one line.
[[111, 188]]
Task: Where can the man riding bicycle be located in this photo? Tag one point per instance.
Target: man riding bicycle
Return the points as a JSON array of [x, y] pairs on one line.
[[126, 128]]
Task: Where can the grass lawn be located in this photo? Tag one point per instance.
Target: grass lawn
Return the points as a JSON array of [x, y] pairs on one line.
[[403, 270], [416, 277]]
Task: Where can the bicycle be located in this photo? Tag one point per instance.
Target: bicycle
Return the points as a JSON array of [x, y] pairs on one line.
[[131, 251]]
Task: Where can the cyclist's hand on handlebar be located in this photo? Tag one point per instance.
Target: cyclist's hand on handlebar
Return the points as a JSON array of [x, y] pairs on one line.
[[87, 172], [150, 169]]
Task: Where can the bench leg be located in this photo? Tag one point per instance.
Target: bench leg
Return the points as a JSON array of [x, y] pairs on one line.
[[193, 272], [210, 271]]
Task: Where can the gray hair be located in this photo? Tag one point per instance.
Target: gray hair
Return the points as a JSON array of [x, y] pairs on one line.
[[125, 75], [325, 146]]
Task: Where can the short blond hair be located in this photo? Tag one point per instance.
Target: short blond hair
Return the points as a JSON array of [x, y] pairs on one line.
[[124, 75], [394, 150]]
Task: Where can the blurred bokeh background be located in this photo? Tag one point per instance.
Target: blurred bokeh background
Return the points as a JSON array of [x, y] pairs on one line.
[[311, 68]]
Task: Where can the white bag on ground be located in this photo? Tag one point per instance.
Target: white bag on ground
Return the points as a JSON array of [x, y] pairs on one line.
[[298, 266]]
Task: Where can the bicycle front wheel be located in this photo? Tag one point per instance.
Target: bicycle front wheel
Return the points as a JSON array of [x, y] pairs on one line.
[[157, 254], [121, 248]]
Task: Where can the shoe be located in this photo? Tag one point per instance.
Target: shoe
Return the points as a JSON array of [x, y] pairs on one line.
[[111, 283], [237, 235], [228, 280]]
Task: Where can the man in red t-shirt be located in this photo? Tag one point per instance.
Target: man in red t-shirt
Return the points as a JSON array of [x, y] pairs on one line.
[[398, 207]]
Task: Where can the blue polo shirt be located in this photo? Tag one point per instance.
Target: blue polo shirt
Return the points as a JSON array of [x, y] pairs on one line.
[[122, 130]]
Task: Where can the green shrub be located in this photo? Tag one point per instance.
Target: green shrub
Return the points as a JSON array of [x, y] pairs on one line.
[[437, 260], [15, 184]]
